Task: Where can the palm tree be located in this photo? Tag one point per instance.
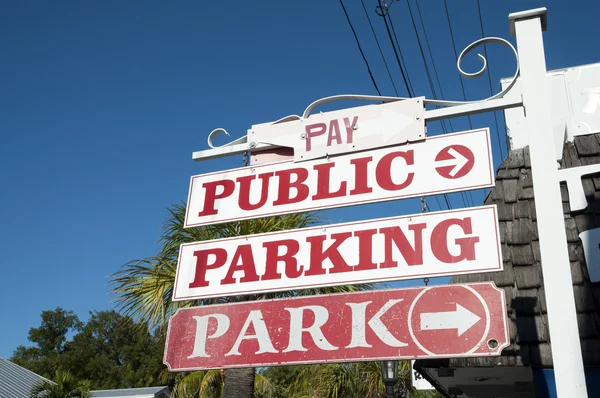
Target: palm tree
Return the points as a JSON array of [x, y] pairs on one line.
[[351, 380], [65, 386], [144, 288], [209, 384]]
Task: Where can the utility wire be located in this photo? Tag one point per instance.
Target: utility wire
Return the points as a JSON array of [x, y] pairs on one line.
[[401, 56], [400, 59], [380, 50], [437, 77], [431, 84], [360, 48], [456, 56], [489, 74], [387, 27]]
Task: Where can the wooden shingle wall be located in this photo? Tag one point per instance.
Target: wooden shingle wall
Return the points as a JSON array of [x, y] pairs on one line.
[[522, 276]]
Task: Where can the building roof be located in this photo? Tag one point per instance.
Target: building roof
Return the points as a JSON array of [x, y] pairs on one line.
[[147, 392], [16, 381], [522, 276]]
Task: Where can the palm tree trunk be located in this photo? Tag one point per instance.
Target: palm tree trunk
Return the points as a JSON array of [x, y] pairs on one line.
[[239, 383]]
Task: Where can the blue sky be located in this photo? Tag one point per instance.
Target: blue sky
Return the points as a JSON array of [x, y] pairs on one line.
[[103, 103]]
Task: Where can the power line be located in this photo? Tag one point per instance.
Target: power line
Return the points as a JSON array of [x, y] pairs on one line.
[[360, 48], [489, 75], [400, 60], [437, 77], [432, 85], [379, 47], [404, 77], [456, 56], [401, 56]]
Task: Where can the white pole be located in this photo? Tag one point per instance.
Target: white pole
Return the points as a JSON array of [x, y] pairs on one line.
[[562, 317]]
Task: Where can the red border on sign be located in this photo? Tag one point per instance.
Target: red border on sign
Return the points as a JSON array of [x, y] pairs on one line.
[[349, 282], [358, 202], [497, 351]]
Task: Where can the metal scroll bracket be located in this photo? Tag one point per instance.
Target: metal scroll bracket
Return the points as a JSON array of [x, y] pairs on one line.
[[269, 136]]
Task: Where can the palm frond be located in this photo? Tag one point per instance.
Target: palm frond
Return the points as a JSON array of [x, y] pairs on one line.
[[64, 386], [263, 386]]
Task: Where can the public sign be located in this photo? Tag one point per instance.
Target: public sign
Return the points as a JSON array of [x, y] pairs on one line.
[[438, 321], [348, 130], [407, 247], [440, 164]]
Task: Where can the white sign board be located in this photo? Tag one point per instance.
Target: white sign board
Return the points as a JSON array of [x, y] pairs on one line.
[[583, 90], [348, 130], [418, 381], [408, 247], [441, 164]]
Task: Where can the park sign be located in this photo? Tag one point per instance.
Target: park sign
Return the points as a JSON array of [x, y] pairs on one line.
[[440, 164], [461, 320], [406, 247]]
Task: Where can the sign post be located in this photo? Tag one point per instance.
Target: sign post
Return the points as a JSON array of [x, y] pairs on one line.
[[558, 284]]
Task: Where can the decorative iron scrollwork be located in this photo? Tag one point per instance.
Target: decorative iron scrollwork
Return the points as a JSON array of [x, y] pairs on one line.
[[383, 99]]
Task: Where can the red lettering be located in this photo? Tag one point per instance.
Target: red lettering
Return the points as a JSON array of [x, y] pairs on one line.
[[440, 246], [350, 128], [288, 258], [318, 254], [412, 255], [202, 264], [211, 195], [383, 171], [323, 182], [244, 198], [334, 127], [284, 192], [365, 250], [313, 130], [361, 176], [243, 253]]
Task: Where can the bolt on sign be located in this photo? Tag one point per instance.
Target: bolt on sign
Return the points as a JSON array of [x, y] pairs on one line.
[[440, 164], [407, 247], [466, 320]]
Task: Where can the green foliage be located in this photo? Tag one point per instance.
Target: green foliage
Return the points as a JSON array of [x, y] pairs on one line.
[[64, 386], [51, 342], [144, 287], [110, 350], [339, 380], [114, 352]]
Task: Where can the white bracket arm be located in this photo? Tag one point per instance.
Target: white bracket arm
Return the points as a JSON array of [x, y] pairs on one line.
[[260, 137], [572, 177]]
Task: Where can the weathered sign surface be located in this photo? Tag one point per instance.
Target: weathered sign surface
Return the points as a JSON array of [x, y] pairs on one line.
[[347, 130], [437, 321], [407, 247], [440, 164]]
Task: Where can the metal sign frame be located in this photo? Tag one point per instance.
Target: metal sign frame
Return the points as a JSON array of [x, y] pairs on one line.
[[527, 26]]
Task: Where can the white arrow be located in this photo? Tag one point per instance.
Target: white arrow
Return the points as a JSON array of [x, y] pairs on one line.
[[387, 126], [459, 161], [462, 319]]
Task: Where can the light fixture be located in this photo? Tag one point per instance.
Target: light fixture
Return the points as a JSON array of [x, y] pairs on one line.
[[388, 375]]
